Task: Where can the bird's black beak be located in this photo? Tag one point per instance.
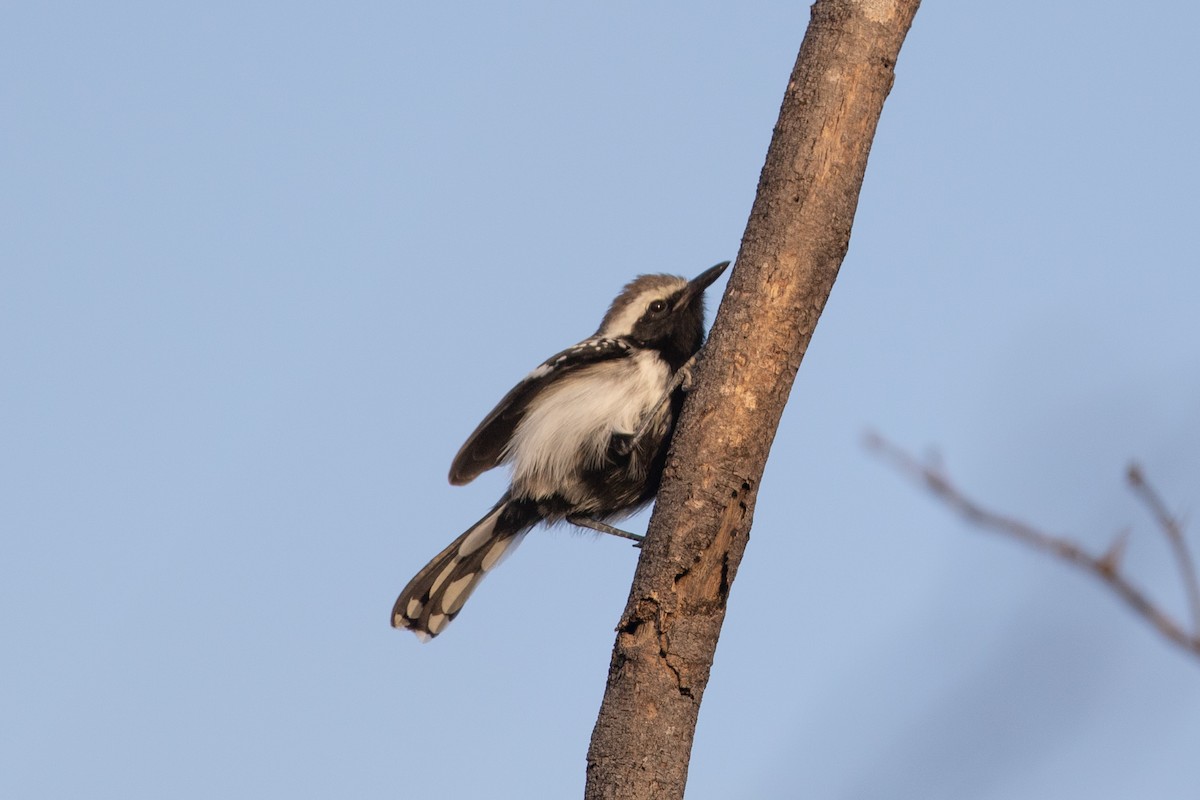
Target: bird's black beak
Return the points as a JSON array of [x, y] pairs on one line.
[[698, 284]]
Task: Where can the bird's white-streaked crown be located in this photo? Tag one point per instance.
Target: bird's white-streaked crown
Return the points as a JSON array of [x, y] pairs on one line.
[[634, 300]]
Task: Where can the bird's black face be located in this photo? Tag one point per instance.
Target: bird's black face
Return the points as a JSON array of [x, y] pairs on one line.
[[674, 325]]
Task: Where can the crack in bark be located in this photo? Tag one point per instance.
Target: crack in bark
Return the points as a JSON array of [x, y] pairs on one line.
[[669, 659]]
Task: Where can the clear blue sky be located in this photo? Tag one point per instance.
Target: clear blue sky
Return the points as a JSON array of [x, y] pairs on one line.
[[266, 265]]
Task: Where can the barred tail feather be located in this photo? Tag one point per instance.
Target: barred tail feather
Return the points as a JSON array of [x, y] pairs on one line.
[[433, 598]]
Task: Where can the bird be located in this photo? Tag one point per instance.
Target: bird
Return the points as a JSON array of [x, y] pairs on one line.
[[586, 435]]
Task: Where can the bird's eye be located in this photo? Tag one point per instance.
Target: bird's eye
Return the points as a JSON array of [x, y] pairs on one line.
[[658, 306]]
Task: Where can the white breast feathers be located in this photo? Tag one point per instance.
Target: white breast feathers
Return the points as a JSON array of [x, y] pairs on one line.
[[568, 426]]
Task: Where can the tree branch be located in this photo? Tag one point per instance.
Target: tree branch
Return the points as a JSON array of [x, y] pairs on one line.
[[1106, 567], [1173, 530], [795, 240]]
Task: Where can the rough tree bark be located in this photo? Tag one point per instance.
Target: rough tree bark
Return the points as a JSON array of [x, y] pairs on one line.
[[795, 240]]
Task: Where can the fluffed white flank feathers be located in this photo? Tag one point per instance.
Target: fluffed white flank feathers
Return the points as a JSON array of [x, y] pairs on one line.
[[580, 416]]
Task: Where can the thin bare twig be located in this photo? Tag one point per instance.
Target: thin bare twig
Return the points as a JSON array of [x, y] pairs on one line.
[[1106, 567], [1174, 532]]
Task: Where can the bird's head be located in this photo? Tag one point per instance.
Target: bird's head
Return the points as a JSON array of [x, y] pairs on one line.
[[663, 312]]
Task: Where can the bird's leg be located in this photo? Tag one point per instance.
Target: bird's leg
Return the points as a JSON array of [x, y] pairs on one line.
[[596, 525], [682, 379]]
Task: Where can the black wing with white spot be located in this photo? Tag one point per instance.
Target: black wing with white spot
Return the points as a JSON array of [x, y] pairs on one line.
[[484, 448]]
